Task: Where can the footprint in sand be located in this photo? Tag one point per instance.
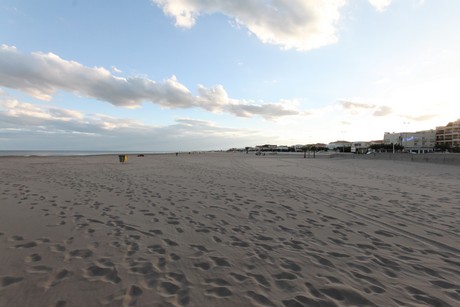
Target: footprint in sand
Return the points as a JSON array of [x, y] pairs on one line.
[[259, 299], [33, 258], [80, 253], [57, 248], [99, 273], [324, 261], [200, 248], [219, 292], [219, 288], [174, 257], [301, 300], [142, 267], [290, 265], [57, 278], [285, 276], [127, 297], [346, 296], [260, 279], [425, 297], [169, 288], [156, 231], [220, 261], [445, 285], [203, 265], [39, 269], [170, 242], [26, 245], [15, 238], [238, 277], [156, 248], [60, 303], [6, 281]]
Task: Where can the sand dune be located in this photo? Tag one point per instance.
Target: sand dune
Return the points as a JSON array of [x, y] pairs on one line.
[[228, 230]]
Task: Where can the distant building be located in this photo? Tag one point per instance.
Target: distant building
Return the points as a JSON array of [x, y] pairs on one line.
[[393, 138], [298, 147], [266, 147], [415, 142], [449, 135], [320, 146], [283, 148], [360, 147], [338, 144], [376, 142]]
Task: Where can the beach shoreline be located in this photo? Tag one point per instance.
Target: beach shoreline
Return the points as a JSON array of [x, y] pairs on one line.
[[226, 229]]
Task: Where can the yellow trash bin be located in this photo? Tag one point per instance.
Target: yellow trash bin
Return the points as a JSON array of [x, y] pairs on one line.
[[123, 158]]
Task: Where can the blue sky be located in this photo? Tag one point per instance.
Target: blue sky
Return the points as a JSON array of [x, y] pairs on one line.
[[198, 75]]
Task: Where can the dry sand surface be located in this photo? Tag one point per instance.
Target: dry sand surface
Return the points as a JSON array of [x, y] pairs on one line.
[[228, 230]]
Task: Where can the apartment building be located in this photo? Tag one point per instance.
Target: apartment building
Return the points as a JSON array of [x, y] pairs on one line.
[[415, 142], [449, 135]]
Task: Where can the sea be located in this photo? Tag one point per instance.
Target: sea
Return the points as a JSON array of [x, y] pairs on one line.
[[45, 153]]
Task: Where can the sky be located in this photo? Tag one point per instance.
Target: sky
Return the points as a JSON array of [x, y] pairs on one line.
[[172, 75]]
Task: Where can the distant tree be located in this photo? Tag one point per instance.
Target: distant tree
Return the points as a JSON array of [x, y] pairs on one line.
[[314, 149], [305, 149], [308, 149]]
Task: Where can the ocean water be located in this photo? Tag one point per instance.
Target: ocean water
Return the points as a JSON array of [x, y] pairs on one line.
[[44, 153]]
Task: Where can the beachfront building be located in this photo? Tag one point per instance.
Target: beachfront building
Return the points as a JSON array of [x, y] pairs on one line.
[[283, 148], [376, 142], [414, 142], [320, 146], [448, 136], [360, 147], [266, 147], [298, 147], [339, 145]]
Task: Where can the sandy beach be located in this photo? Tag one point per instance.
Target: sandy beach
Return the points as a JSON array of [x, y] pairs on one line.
[[228, 229]]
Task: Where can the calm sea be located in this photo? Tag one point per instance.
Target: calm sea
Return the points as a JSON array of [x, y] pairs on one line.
[[29, 153]]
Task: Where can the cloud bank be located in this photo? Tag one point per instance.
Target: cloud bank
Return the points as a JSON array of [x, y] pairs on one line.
[[356, 107], [41, 75], [30, 127], [291, 24], [380, 5]]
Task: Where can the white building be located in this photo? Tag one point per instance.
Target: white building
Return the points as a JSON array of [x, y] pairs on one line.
[[360, 147], [449, 135], [415, 142], [338, 144]]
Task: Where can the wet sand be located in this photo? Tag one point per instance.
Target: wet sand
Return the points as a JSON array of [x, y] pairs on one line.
[[228, 229]]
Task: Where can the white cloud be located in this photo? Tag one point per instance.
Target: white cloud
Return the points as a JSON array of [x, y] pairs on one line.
[[29, 126], [382, 111], [116, 70], [41, 75], [296, 24], [268, 111], [380, 5], [357, 107], [421, 118]]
